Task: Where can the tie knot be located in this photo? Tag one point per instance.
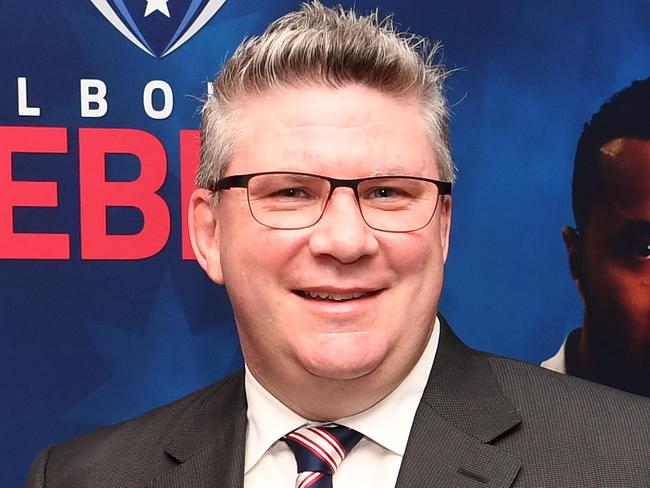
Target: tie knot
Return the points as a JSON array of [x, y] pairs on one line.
[[321, 448]]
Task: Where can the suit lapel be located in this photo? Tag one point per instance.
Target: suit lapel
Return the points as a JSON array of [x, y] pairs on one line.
[[461, 412], [209, 446]]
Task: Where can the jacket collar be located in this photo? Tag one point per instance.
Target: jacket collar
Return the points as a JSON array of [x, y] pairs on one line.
[[209, 445], [462, 411]]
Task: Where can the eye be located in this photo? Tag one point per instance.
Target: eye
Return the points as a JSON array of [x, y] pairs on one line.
[[635, 246], [384, 192], [291, 193], [640, 247]]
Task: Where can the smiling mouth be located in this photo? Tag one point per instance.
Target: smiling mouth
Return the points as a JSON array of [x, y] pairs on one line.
[[335, 297]]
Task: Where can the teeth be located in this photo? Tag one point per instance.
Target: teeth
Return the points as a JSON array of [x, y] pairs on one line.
[[334, 296]]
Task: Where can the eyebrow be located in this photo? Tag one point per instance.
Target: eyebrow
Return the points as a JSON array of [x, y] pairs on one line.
[[398, 170]]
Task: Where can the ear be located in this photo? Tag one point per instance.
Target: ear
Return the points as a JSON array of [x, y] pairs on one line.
[[204, 233], [445, 225], [573, 242]]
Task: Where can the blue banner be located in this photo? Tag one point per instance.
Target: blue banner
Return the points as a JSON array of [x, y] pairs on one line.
[[103, 310]]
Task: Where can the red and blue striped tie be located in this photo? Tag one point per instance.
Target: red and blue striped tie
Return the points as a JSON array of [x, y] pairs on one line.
[[319, 451]]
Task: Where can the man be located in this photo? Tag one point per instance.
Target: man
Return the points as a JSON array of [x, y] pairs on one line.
[[325, 211], [609, 251]]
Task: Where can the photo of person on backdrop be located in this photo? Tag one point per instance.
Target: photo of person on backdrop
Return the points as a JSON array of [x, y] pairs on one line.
[[609, 250], [324, 208]]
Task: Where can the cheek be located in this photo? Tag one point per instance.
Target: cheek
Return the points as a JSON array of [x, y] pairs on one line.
[[417, 263], [622, 295], [257, 264], [256, 254], [417, 256], [633, 294], [633, 307]]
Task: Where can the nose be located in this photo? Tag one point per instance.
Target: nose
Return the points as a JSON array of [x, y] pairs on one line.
[[341, 232]]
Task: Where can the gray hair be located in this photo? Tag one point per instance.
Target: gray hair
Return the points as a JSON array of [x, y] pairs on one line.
[[333, 47]]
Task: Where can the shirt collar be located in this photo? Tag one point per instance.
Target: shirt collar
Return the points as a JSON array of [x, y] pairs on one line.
[[269, 419]]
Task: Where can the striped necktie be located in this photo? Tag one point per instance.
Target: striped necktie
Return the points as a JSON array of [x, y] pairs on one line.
[[319, 450]]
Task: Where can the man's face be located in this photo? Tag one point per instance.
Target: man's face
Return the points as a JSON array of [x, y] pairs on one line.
[[615, 275], [286, 336]]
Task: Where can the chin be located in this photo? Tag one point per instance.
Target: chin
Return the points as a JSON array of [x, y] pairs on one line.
[[344, 356], [342, 366], [339, 372]]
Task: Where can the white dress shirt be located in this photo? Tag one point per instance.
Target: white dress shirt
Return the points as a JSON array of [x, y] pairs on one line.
[[374, 461], [558, 362]]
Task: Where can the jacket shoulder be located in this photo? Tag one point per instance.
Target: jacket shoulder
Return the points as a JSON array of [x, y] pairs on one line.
[[130, 452], [577, 422], [529, 385]]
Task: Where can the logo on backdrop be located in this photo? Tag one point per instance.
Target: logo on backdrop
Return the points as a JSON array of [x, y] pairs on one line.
[[158, 27]]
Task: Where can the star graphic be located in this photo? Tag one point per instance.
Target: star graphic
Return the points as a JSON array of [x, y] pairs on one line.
[[157, 5], [147, 368]]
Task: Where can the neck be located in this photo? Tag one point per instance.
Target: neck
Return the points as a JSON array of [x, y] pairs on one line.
[[327, 396], [324, 400], [615, 363]]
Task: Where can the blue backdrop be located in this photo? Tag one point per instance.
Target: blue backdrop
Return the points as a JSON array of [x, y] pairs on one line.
[[92, 338]]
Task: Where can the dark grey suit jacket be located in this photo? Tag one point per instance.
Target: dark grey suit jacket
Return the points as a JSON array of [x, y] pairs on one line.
[[483, 422]]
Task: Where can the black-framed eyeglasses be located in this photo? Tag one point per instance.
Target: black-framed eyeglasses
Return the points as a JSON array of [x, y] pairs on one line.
[[290, 200]]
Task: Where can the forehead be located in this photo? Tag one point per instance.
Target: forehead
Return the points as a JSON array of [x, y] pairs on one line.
[[351, 131], [625, 166]]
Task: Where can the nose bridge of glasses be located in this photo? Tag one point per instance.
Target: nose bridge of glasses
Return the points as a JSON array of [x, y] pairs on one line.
[[336, 184], [338, 187]]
